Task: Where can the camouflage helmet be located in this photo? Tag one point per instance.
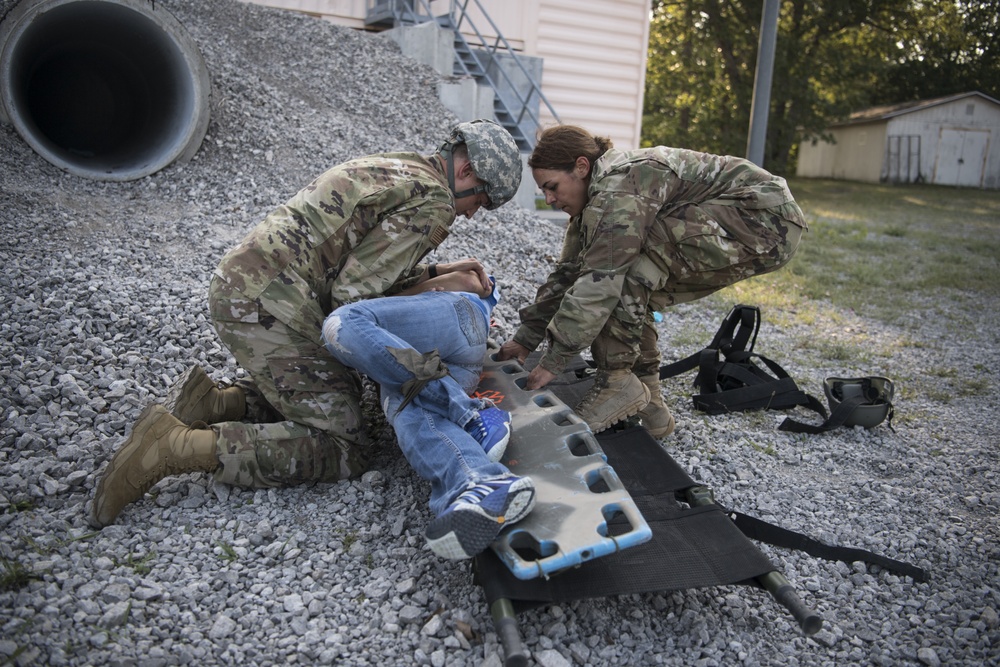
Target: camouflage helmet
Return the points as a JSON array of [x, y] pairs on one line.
[[494, 157]]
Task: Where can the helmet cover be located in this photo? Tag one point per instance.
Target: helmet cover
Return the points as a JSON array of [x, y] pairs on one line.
[[494, 157]]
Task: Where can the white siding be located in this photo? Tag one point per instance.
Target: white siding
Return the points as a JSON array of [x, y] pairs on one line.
[[952, 143], [943, 129], [595, 64]]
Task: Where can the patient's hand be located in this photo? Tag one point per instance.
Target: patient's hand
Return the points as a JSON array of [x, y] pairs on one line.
[[456, 281]]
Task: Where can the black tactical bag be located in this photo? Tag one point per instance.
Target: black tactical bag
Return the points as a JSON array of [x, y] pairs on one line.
[[732, 377]]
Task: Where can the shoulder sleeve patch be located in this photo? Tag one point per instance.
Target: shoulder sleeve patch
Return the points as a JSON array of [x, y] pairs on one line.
[[438, 235]]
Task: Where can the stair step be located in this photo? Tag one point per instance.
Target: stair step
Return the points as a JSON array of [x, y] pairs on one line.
[[467, 64]]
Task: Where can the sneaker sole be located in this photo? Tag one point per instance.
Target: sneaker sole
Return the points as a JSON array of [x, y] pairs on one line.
[[462, 534], [499, 449]]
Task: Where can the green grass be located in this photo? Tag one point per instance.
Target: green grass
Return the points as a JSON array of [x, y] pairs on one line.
[[14, 575], [875, 249]]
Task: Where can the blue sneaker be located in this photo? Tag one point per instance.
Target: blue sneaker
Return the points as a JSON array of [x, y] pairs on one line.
[[491, 429], [475, 518]]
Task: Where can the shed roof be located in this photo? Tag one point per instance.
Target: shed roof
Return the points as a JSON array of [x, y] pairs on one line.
[[887, 111]]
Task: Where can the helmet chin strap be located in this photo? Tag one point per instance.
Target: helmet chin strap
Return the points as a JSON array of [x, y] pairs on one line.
[[449, 158]]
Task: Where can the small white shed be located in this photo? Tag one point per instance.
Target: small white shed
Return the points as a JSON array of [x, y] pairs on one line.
[[952, 140]]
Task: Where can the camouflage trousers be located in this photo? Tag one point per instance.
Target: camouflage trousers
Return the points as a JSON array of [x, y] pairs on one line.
[[319, 433], [692, 251]]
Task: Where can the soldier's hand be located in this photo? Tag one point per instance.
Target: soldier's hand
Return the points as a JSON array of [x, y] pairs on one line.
[[513, 350], [539, 377]]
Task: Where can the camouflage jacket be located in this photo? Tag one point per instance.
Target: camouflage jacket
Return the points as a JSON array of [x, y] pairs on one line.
[[357, 231], [629, 192]]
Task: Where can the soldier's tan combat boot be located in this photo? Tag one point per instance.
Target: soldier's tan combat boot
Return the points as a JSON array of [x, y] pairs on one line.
[[656, 416], [614, 396], [159, 445], [196, 398]]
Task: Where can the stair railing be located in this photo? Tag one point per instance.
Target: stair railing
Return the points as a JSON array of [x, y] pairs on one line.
[[413, 12]]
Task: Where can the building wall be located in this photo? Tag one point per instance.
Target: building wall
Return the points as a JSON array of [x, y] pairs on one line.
[[856, 154], [595, 63], [953, 143], [960, 141], [594, 53]]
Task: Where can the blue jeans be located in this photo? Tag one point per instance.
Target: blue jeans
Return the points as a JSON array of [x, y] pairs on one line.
[[429, 428]]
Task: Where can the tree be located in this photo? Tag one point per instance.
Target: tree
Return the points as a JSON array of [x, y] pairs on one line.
[[947, 48], [832, 57]]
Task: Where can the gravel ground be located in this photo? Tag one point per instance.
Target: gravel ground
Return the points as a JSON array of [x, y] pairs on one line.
[[103, 301]]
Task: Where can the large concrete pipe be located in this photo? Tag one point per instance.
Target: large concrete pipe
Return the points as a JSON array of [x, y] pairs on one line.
[[105, 89]]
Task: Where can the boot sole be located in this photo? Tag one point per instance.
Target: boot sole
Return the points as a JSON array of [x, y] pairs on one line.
[[666, 425], [623, 413], [127, 449], [663, 430], [176, 401]]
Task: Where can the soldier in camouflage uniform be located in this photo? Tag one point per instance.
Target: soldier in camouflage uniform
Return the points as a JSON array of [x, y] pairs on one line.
[[648, 229], [360, 230]]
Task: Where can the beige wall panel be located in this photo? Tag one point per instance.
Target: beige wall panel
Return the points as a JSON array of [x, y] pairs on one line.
[[857, 155], [815, 160], [613, 81], [512, 17], [595, 60], [860, 151]]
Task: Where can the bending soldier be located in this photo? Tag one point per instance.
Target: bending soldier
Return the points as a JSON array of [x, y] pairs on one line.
[[648, 229], [360, 230]]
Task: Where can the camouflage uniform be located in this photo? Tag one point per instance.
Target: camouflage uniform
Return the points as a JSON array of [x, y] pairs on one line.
[[662, 226], [357, 231]]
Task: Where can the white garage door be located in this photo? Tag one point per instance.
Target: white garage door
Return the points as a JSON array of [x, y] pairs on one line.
[[961, 157]]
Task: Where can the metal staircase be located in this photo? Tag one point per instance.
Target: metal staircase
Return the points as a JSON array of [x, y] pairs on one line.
[[515, 103]]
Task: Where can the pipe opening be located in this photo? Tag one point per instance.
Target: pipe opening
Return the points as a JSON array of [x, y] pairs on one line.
[[107, 89]]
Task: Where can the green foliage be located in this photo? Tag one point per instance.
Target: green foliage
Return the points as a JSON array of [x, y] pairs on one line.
[[943, 48], [19, 506], [226, 551], [14, 575], [141, 565], [832, 58]]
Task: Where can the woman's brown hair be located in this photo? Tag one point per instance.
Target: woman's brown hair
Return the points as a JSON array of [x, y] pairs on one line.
[[558, 148]]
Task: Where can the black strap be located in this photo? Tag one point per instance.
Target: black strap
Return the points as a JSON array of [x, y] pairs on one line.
[[738, 332], [737, 384], [776, 395], [678, 367], [836, 418], [729, 378], [768, 533]]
